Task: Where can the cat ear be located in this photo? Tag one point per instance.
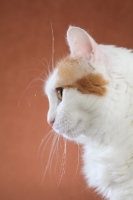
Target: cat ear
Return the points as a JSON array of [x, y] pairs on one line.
[[81, 44]]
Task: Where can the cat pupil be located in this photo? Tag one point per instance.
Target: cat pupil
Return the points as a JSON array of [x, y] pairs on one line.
[[59, 92]]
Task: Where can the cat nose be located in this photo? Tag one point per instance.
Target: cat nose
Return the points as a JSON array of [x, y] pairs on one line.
[[51, 122]]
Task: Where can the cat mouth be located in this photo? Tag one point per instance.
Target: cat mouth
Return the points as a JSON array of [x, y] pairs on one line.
[[70, 130], [69, 133], [65, 135]]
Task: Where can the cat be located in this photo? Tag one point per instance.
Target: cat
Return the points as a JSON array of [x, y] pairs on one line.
[[90, 94]]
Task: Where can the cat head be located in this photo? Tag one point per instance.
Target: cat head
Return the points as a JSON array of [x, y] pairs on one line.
[[77, 89]]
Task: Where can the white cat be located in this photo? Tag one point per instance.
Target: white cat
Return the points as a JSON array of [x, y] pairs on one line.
[[90, 96]]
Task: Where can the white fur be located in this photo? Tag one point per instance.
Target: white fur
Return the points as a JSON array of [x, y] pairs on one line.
[[103, 125]]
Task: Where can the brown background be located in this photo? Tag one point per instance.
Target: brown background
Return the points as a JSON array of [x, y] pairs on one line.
[[25, 43]]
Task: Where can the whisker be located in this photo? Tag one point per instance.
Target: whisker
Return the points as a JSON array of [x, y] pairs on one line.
[[30, 86], [48, 138], [52, 45], [51, 151], [77, 162], [37, 92], [39, 78], [63, 162], [42, 142], [40, 61], [57, 150]]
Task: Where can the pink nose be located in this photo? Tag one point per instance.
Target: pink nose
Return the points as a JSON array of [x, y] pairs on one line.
[[51, 122]]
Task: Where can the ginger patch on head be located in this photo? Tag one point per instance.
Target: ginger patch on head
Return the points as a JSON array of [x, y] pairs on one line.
[[90, 84], [72, 75]]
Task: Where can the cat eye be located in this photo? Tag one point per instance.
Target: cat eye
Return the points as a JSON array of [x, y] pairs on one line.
[[59, 93]]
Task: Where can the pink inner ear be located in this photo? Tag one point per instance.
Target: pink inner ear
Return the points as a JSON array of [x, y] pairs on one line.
[[80, 43]]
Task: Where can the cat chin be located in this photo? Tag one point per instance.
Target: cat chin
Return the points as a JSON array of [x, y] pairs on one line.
[[66, 136], [81, 139]]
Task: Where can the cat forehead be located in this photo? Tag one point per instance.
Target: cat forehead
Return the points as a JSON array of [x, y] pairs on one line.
[[71, 73], [69, 70]]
